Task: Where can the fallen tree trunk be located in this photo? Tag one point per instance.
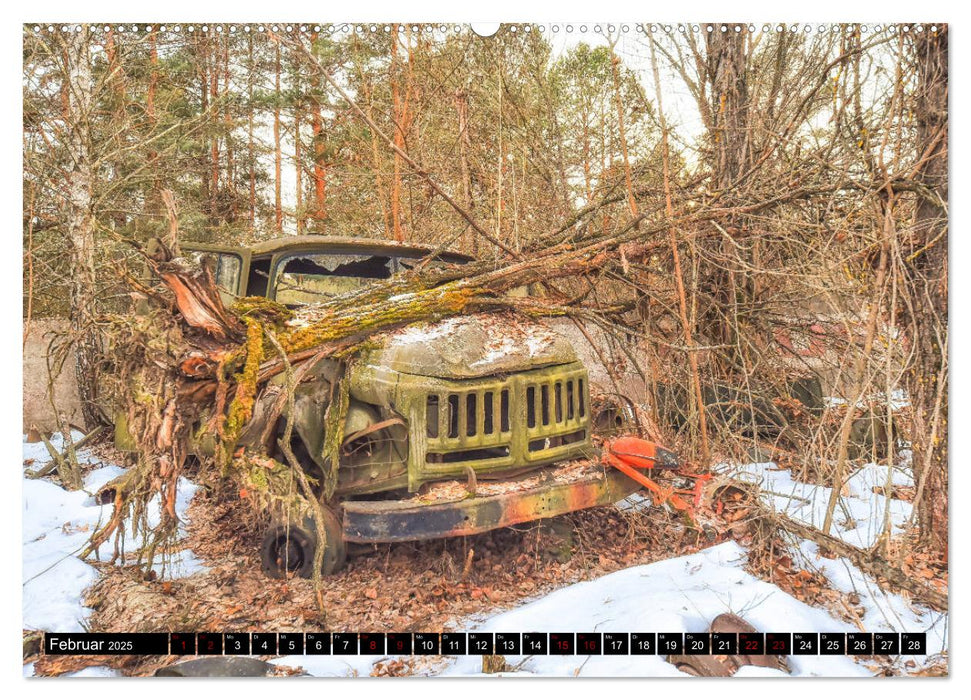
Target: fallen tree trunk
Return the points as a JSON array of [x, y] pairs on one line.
[[866, 560]]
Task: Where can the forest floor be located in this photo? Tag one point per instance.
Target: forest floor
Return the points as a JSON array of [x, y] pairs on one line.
[[619, 568]]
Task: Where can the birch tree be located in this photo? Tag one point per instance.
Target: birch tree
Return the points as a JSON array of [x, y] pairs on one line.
[[80, 216]]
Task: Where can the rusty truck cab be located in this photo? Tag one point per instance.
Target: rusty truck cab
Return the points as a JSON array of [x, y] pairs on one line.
[[296, 270]]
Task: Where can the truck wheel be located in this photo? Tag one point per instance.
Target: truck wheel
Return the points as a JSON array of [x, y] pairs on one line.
[[289, 548]]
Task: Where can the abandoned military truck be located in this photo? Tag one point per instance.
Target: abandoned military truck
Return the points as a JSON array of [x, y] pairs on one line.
[[452, 428]]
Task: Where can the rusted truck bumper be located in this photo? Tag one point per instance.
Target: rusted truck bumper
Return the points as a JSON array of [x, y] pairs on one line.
[[414, 519]]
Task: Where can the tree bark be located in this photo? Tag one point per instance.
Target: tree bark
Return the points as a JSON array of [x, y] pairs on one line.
[[928, 378], [320, 170], [462, 110], [298, 156], [150, 101], [278, 155], [319, 153], [116, 81], [726, 69], [251, 141], [214, 207], [80, 221], [231, 212], [203, 66], [401, 105]]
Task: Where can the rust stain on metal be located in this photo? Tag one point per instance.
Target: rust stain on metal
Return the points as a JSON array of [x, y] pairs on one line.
[[542, 496]]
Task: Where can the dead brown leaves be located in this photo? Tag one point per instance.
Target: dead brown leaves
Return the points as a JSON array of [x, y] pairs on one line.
[[419, 586], [919, 564]]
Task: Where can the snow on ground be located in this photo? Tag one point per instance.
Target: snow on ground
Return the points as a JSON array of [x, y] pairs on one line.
[[340, 666], [56, 526], [883, 611], [674, 595], [898, 400], [859, 518], [686, 593], [859, 521], [682, 594]]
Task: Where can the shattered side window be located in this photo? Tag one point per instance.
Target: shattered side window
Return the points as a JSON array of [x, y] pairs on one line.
[[225, 268], [306, 278], [227, 273]]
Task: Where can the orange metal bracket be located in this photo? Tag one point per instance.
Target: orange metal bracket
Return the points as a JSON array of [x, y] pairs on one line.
[[630, 454]]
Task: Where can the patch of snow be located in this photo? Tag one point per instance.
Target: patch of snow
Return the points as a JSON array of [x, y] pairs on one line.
[[38, 451], [686, 593], [759, 672], [506, 346], [898, 400], [298, 322], [181, 564], [859, 521], [637, 501], [860, 512], [883, 611], [682, 594], [423, 332], [536, 344], [56, 526]]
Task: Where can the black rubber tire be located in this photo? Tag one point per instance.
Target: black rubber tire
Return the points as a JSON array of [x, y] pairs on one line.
[[336, 555], [288, 548]]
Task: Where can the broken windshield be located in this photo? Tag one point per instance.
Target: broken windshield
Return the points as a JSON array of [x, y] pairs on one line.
[[307, 278]]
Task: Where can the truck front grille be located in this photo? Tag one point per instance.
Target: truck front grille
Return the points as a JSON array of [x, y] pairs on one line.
[[467, 414], [557, 402], [525, 418]]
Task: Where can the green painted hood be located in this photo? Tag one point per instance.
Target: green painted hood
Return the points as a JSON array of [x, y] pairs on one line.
[[466, 347]]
